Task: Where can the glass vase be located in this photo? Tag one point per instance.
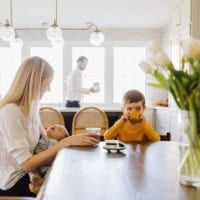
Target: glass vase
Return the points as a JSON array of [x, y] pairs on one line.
[[189, 169]]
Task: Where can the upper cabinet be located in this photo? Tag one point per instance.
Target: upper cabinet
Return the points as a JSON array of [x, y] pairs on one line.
[[195, 18], [175, 22], [184, 23], [185, 10], [186, 18]]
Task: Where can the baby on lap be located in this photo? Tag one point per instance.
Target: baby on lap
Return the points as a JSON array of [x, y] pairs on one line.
[[55, 133]]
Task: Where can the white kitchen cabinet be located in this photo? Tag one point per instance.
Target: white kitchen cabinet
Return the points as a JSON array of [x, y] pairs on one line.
[[187, 14], [175, 21], [150, 116], [184, 23], [166, 120], [162, 121], [185, 11], [174, 125]]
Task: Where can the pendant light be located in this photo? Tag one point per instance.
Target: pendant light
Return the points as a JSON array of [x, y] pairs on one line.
[[54, 32], [96, 37], [7, 31], [16, 42]]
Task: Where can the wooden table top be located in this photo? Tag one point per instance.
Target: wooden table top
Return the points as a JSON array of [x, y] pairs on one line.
[[141, 172]]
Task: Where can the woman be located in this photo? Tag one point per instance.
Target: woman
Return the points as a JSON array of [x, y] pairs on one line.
[[20, 128]]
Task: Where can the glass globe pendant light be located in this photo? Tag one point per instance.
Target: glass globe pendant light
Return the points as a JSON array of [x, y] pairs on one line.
[[96, 37], [54, 32], [58, 42], [16, 42], [7, 32]]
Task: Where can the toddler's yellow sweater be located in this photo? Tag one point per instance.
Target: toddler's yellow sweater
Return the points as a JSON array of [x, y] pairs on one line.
[[126, 132]]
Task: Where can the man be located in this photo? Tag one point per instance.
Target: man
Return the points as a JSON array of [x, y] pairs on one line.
[[75, 91]]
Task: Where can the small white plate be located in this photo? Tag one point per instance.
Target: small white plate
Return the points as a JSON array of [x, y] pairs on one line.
[[114, 145]]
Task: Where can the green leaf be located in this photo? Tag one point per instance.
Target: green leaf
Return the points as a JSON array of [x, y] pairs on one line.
[[162, 80], [156, 85]]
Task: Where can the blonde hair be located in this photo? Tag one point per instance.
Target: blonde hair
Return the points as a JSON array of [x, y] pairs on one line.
[[25, 88]]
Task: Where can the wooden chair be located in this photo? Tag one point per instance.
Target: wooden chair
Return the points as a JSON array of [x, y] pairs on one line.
[[16, 198], [166, 137], [89, 117], [50, 116]]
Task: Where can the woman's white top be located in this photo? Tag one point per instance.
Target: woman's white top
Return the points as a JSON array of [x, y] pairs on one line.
[[17, 143], [75, 89]]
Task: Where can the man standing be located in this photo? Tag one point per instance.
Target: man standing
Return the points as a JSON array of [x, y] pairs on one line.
[[75, 91]]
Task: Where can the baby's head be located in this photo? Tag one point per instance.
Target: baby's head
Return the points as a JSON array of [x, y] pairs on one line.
[[57, 132], [133, 105]]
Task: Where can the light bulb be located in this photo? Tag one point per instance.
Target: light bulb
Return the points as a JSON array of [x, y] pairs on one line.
[[16, 42], [54, 32], [58, 42], [7, 32], [96, 38]]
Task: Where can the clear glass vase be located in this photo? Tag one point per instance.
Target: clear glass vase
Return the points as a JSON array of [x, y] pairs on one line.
[[189, 169]]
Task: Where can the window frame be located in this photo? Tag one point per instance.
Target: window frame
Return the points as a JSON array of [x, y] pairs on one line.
[[67, 65], [136, 44], [45, 44], [89, 46], [109, 61], [16, 69]]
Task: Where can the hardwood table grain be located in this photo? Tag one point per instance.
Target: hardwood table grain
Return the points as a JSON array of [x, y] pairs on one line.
[[140, 172]]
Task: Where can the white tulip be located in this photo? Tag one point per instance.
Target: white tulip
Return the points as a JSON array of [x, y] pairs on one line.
[[152, 60], [147, 68], [191, 47], [162, 59], [154, 47]]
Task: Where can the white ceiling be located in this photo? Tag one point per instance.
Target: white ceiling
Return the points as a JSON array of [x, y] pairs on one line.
[[75, 13]]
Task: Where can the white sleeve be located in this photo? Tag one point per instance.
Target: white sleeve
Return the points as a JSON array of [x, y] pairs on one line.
[[15, 135], [77, 84]]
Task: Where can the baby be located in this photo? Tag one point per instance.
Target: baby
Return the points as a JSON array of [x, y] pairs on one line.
[[55, 133]]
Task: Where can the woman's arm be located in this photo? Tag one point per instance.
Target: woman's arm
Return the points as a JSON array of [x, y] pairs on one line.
[[48, 155], [14, 135], [43, 131]]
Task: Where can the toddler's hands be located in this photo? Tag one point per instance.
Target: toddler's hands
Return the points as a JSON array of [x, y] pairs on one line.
[[142, 117], [125, 118]]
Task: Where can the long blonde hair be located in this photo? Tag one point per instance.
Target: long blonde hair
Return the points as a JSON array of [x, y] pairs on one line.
[[25, 88]]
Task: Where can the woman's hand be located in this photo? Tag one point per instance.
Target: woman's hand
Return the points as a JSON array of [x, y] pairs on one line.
[[79, 140]]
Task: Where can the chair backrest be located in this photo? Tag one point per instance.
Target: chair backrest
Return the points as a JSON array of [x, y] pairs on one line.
[[50, 116], [89, 117]]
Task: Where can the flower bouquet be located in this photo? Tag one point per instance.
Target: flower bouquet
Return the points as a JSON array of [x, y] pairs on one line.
[[184, 86]]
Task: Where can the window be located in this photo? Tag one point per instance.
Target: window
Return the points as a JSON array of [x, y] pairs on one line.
[[127, 74], [54, 56], [10, 60], [94, 71]]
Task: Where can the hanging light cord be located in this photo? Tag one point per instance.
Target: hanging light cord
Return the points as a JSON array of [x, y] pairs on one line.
[[90, 24], [11, 14], [56, 19]]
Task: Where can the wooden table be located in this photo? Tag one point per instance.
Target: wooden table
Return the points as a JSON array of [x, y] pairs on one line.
[[141, 172]]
